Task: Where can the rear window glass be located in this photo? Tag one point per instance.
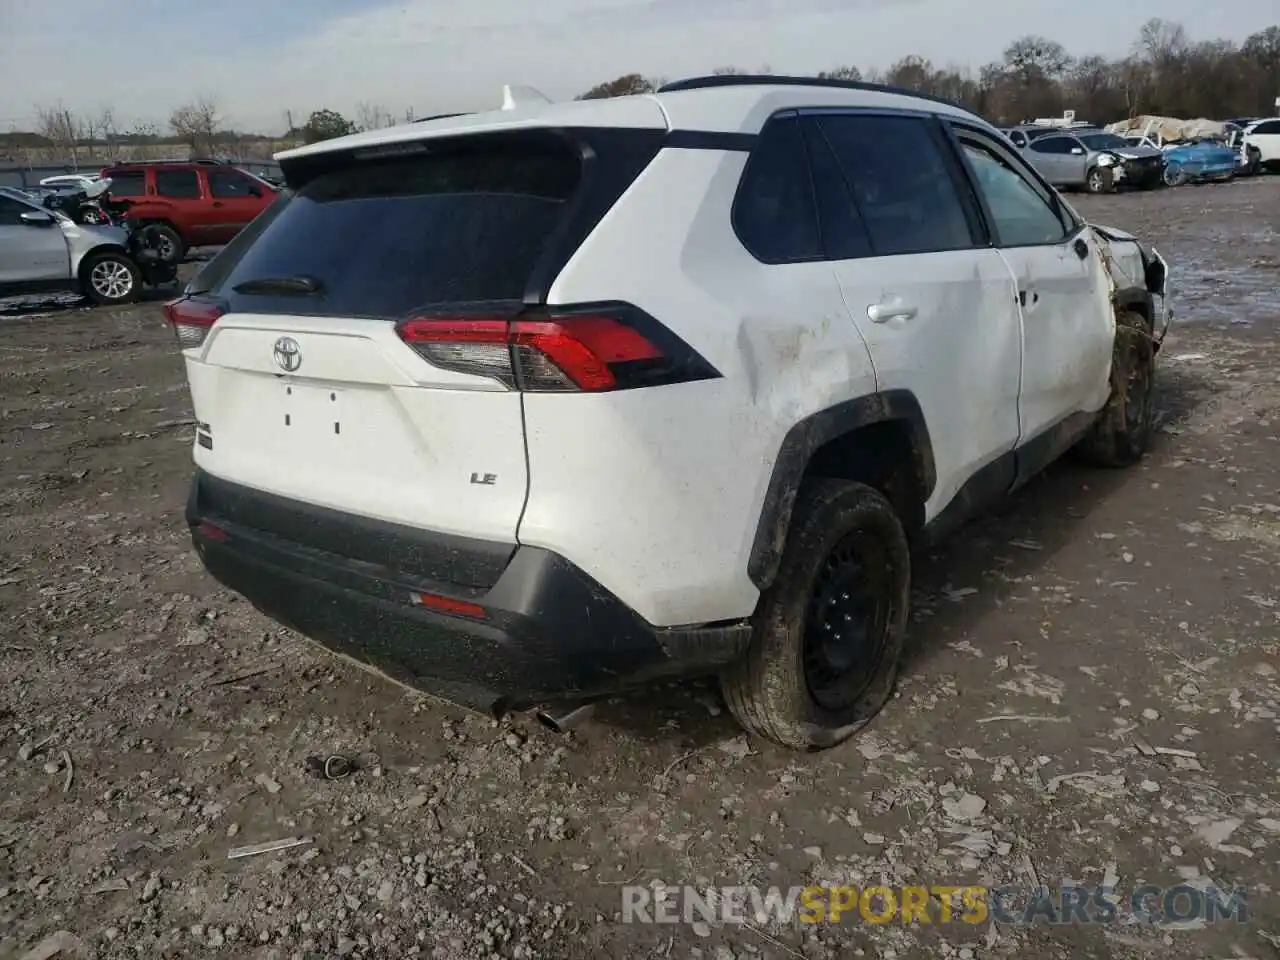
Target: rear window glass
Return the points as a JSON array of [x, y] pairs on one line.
[[387, 238]]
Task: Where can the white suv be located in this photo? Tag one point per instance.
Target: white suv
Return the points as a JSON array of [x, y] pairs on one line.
[[535, 405]]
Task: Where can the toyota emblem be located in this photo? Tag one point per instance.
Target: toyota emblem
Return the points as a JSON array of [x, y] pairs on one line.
[[288, 354]]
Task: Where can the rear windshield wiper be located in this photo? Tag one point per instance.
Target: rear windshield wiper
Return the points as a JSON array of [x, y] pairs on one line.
[[300, 285]]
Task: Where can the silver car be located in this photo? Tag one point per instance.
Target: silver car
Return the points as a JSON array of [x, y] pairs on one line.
[[1095, 160], [43, 251]]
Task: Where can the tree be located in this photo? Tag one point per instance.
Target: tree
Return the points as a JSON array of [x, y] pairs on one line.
[[841, 73], [371, 116], [325, 125], [59, 127], [197, 124], [623, 86]]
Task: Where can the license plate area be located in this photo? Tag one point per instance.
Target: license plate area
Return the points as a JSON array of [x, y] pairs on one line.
[[314, 413]]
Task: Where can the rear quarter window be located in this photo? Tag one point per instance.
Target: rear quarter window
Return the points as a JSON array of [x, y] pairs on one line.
[[390, 237]]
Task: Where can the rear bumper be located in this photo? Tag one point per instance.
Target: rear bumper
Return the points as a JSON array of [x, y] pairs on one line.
[[538, 628]]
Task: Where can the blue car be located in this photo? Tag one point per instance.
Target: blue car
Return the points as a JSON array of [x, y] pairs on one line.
[[1195, 161]]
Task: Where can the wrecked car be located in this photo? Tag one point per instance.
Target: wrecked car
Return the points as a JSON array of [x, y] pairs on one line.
[[529, 407]]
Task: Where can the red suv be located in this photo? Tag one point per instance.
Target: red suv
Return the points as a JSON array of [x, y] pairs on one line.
[[196, 203]]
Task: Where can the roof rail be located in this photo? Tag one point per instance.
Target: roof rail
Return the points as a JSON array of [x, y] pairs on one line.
[[765, 79], [441, 116], [148, 163]]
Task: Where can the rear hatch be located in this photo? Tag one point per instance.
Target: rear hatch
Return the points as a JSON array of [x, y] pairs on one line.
[[325, 377]]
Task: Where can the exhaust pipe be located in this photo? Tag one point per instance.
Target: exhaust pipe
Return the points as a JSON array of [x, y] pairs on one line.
[[563, 718]]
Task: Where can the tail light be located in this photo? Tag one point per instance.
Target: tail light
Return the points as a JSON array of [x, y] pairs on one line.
[[566, 349], [192, 319]]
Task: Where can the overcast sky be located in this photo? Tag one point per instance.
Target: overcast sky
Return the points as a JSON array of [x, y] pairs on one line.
[[259, 58]]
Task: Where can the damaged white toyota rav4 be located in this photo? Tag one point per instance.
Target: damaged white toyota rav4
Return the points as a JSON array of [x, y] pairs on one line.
[[533, 406]]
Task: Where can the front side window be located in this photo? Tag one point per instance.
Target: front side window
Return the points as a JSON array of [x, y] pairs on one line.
[[229, 183], [1023, 214], [11, 212]]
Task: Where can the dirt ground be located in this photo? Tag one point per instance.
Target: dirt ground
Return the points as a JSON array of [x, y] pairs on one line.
[[150, 722]]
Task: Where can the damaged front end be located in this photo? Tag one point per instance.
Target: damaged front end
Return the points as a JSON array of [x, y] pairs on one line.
[[1138, 276]]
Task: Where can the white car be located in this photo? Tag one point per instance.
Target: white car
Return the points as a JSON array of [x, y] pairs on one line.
[[1265, 136], [535, 405], [68, 180]]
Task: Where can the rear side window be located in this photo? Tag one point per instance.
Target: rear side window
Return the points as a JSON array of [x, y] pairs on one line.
[[773, 213], [1270, 127], [901, 184], [179, 184], [390, 237], [844, 236], [128, 184]]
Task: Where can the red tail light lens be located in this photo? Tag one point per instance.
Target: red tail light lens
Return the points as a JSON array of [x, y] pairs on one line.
[[580, 351], [192, 319]]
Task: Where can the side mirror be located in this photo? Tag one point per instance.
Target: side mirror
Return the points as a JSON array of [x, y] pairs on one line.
[[37, 218], [1079, 152]]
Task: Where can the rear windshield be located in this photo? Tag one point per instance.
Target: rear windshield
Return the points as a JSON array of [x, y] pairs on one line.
[[386, 238]]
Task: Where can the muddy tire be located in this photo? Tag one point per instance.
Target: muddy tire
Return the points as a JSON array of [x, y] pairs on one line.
[[110, 279], [828, 632], [1122, 431], [1097, 180]]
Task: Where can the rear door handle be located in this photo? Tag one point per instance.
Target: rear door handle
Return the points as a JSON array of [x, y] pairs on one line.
[[1025, 297], [890, 310], [217, 203]]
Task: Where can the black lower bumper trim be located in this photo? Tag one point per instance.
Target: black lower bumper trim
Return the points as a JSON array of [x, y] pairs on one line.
[[549, 631]]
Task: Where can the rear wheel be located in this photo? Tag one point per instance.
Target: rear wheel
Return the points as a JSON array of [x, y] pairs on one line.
[[828, 632], [110, 279], [1123, 429]]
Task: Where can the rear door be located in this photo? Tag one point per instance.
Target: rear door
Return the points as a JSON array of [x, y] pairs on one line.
[[235, 200], [304, 384], [935, 304], [181, 191]]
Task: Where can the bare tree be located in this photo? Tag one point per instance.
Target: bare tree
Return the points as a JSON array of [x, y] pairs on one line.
[[841, 73], [197, 124], [373, 116], [109, 129], [59, 127]]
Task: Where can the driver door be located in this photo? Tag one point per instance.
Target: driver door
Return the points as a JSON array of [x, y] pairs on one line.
[[30, 252], [1067, 323]]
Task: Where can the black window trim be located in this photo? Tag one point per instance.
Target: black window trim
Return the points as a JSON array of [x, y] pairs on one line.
[[980, 236], [789, 113], [955, 129]]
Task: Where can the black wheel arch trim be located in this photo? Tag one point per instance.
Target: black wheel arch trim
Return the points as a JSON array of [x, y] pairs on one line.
[[798, 448]]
